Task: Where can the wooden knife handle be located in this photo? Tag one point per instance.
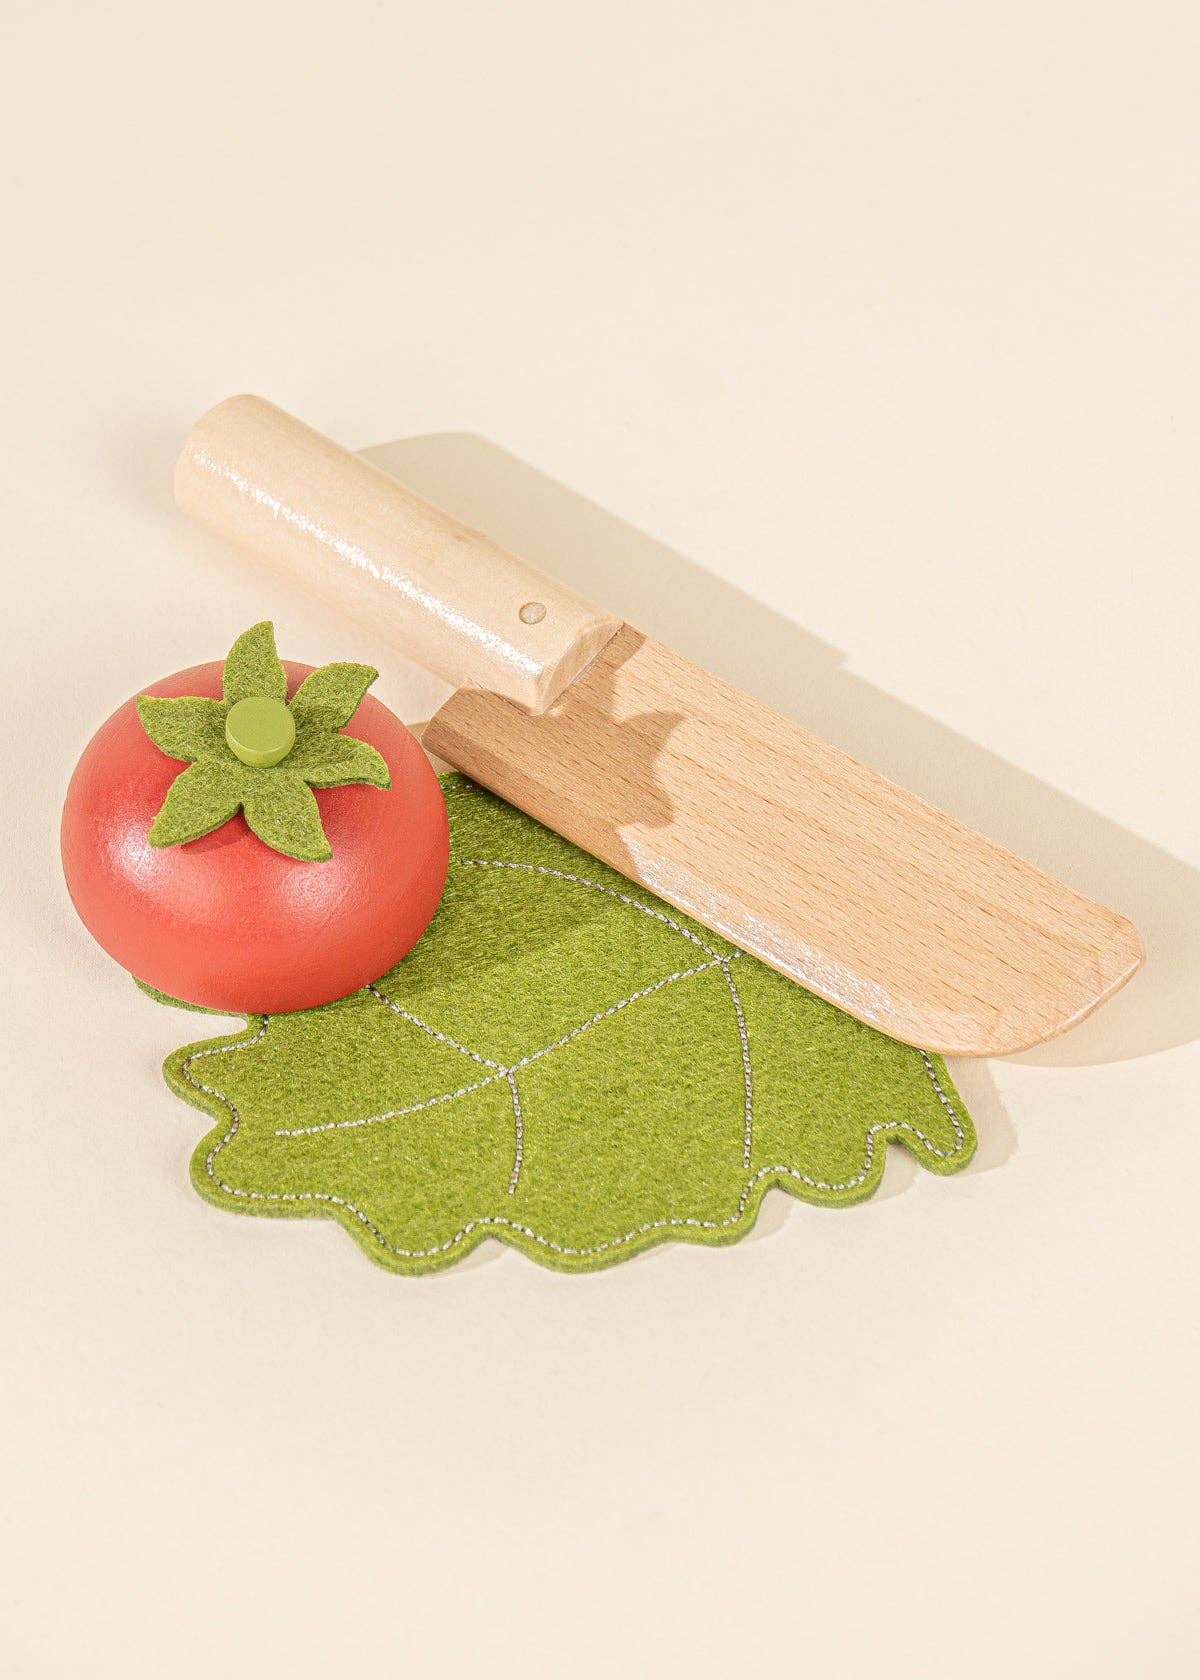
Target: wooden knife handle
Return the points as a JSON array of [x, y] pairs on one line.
[[451, 599]]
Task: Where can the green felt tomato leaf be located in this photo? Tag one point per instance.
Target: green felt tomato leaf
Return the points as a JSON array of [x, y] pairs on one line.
[[253, 669], [332, 694], [279, 807], [189, 727], [200, 799], [277, 799], [337, 759], [563, 1063]]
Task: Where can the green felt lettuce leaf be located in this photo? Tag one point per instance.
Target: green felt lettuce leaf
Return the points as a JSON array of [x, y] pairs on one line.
[[563, 1063], [276, 800]]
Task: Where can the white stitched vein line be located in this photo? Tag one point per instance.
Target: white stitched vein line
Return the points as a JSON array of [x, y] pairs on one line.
[[501, 1071], [747, 1071], [442, 1038], [959, 1134], [485, 1221], [582, 881], [518, 1135], [614, 1009], [235, 1121], [391, 1113], [646, 910]]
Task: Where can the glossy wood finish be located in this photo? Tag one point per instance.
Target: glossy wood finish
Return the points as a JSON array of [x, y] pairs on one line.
[[892, 910], [453, 600], [816, 864]]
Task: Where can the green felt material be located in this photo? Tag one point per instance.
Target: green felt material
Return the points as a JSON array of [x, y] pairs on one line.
[[252, 666], [563, 1063], [271, 788]]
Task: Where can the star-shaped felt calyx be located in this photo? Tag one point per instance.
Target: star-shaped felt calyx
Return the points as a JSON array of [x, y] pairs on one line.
[[253, 752]]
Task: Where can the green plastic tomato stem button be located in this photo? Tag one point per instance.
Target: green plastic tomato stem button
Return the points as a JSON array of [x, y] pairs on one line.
[[260, 731]]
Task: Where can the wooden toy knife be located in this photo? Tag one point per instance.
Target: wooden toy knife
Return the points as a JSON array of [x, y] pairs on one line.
[[766, 834]]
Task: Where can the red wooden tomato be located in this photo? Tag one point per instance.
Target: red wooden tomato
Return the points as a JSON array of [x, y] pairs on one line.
[[228, 923]]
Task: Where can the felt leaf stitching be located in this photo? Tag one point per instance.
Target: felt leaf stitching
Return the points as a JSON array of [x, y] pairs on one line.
[[558, 1144], [276, 799]]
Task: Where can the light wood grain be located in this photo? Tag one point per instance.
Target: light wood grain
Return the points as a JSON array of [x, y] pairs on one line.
[[797, 853], [819, 866], [449, 598]]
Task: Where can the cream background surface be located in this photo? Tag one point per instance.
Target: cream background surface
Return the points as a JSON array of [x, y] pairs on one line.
[[853, 350]]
